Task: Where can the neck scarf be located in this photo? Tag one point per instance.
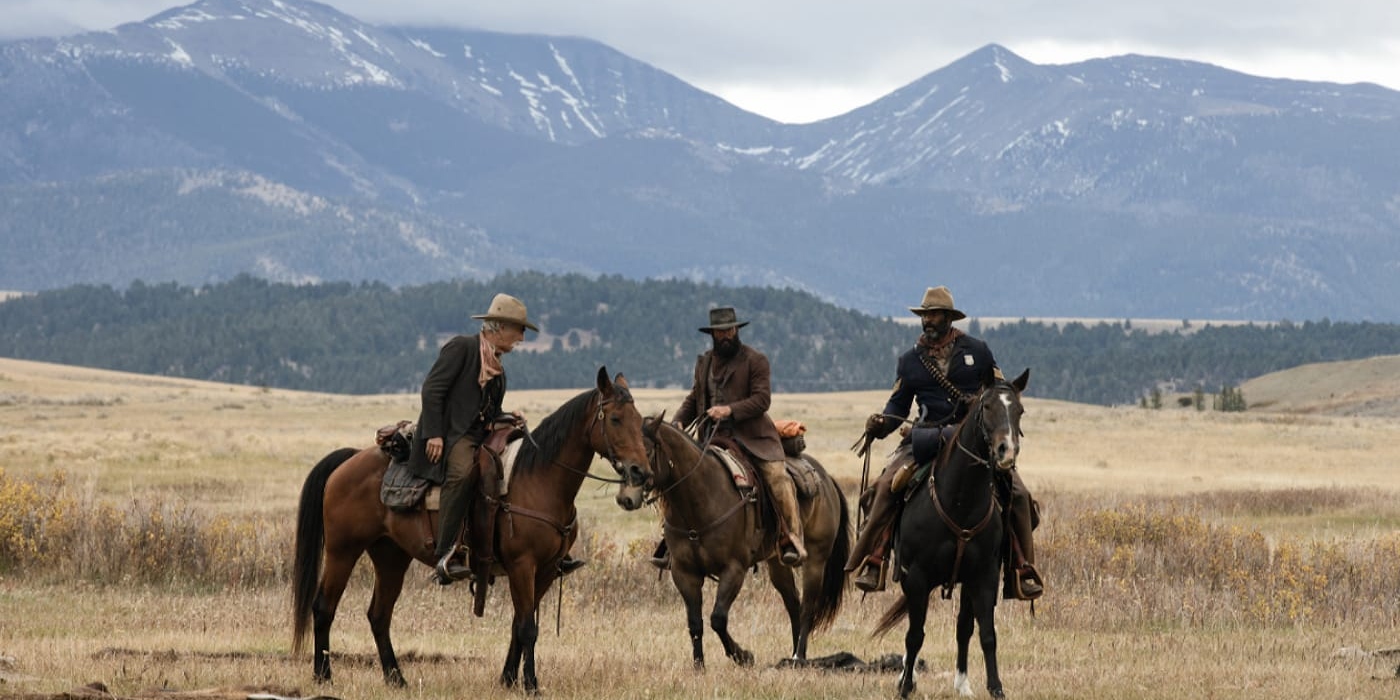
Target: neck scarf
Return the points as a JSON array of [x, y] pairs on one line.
[[490, 363], [940, 349]]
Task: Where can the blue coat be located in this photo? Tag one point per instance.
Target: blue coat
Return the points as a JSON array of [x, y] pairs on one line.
[[970, 368]]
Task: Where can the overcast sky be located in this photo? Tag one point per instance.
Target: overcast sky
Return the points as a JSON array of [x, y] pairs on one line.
[[803, 60]]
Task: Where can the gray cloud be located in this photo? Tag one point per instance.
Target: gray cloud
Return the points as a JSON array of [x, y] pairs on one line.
[[783, 50]]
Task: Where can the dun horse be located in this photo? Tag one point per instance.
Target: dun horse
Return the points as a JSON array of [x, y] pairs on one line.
[[956, 536], [341, 515], [713, 531]]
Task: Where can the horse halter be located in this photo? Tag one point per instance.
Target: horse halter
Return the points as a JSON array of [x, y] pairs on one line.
[[985, 433], [611, 452]]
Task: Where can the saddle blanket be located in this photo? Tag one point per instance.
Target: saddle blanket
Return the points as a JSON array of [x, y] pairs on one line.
[[736, 469], [404, 490]]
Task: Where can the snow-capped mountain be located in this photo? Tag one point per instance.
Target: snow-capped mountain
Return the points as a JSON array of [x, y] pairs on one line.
[[1125, 186]]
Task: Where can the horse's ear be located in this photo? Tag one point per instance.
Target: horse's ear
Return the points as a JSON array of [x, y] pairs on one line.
[[605, 387], [1021, 381], [621, 381]]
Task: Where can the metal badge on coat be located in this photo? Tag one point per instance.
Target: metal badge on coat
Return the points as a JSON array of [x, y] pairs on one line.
[[967, 360]]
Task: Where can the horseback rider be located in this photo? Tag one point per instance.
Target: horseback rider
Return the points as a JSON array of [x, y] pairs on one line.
[[461, 400], [944, 371], [731, 393]]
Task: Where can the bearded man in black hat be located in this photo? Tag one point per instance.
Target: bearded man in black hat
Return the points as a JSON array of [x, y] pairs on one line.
[[943, 371], [731, 393]]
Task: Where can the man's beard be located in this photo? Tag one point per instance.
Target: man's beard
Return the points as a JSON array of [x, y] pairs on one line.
[[727, 348], [934, 330]]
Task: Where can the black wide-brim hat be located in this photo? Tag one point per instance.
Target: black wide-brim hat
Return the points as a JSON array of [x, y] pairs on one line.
[[723, 318]]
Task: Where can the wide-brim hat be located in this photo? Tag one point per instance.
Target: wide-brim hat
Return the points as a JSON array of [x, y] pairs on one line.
[[723, 318], [505, 307], [938, 299]]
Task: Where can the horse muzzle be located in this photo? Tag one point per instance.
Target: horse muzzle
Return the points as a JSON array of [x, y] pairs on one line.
[[631, 495]]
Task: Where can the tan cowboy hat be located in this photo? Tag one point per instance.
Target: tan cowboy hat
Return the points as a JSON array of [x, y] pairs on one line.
[[939, 299], [505, 307], [723, 318]]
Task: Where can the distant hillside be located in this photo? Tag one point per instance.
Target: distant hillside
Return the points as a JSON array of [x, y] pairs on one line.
[[372, 338], [1368, 387]]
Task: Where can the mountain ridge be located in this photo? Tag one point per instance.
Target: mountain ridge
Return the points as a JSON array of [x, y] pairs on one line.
[[1120, 187]]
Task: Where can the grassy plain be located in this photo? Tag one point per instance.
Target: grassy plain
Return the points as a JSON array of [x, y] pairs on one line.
[[1189, 554]]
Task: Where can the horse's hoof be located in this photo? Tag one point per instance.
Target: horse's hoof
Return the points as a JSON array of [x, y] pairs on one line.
[[507, 681], [743, 657], [394, 679], [996, 692]]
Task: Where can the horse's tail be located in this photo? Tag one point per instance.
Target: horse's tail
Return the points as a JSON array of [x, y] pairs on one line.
[[892, 617], [310, 537], [834, 575]]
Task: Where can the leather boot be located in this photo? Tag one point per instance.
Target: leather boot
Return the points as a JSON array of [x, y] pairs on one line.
[[876, 529], [661, 558], [1023, 582], [872, 576], [569, 564], [784, 495], [452, 516]]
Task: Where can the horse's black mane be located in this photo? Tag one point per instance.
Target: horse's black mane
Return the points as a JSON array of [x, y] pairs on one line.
[[551, 433]]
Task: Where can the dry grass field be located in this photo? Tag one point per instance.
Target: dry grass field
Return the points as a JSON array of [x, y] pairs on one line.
[[145, 534]]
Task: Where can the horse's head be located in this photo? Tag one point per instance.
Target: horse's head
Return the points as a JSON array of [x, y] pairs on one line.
[[616, 434], [999, 415]]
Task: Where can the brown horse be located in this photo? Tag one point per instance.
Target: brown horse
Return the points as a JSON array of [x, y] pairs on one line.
[[954, 534], [341, 515], [712, 530]]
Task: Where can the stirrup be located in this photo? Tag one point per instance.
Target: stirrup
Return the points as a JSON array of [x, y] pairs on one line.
[[568, 565], [871, 577], [1025, 584], [449, 570]]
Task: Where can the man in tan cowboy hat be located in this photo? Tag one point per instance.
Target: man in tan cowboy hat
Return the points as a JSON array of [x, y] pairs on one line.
[[943, 371], [462, 397], [731, 393]]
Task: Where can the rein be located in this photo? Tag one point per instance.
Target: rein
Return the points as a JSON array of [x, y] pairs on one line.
[[964, 535], [693, 534], [693, 468], [610, 454]]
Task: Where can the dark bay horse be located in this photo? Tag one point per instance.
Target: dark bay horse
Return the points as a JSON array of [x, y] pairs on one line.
[[956, 536], [342, 517], [711, 531]]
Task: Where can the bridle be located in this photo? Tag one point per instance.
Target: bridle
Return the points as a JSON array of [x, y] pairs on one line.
[[609, 451], [964, 534], [692, 534], [666, 454]]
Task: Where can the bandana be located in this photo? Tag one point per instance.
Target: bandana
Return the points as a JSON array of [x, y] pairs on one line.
[[490, 363], [940, 350]]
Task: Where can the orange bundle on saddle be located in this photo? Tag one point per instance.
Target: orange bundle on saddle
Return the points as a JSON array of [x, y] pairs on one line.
[[791, 432]]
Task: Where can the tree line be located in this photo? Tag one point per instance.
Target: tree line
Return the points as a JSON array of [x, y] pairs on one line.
[[371, 338]]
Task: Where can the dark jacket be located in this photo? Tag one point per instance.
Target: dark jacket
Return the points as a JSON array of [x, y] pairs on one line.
[[455, 406], [742, 383], [970, 368]]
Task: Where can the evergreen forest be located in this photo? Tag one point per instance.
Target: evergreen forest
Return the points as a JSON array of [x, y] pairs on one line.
[[371, 338]]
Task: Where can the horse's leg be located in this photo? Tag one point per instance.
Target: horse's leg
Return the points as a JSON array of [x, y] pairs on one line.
[[782, 579], [543, 578], [984, 607], [524, 630], [339, 562], [691, 586], [731, 581], [390, 564], [916, 593], [966, 618]]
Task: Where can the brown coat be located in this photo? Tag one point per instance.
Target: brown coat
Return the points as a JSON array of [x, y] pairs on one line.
[[743, 385], [454, 404]]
